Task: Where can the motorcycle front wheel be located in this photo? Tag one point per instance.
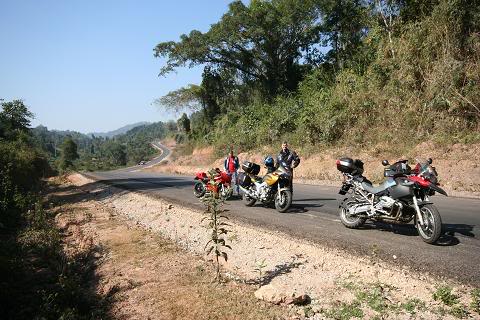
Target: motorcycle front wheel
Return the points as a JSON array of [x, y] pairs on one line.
[[283, 200], [352, 222], [432, 228], [199, 189]]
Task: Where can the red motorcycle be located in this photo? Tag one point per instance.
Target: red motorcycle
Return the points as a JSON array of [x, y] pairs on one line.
[[222, 185]]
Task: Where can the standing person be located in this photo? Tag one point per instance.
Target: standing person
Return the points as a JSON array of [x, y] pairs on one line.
[[231, 165], [288, 160]]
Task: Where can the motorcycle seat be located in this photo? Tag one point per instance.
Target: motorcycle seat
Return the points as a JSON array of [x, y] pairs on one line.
[[382, 187]]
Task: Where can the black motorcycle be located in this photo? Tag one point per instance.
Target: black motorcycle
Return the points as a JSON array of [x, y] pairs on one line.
[[401, 198]]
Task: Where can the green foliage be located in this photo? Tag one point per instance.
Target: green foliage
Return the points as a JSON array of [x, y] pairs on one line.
[[69, 154], [413, 305], [345, 311], [385, 68], [263, 42], [98, 153], [14, 117], [475, 303], [38, 280], [184, 123], [374, 298], [213, 202], [115, 154], [445, 295], [460, 311], [259, 266], [22, 165], [189, 97]]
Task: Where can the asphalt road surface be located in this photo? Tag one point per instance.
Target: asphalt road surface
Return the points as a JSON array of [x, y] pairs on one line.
[[164, 152], [314, 216]]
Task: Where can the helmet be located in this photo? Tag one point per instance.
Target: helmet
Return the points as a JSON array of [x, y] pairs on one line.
[[268, 161]]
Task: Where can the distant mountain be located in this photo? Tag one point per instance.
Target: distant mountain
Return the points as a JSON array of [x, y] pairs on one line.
[[119, 131]]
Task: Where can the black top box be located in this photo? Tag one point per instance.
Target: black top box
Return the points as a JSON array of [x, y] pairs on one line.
[[251, 168], [348, 165]]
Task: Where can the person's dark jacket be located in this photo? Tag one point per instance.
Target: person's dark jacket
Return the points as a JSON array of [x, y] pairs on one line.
[[288, 159]]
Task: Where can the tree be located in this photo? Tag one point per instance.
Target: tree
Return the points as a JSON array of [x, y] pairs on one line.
[[184, 123], [344, 26], [116, 153], [389, 11], [15, 116], [264, 43], [184, 98], [69, 153], [2, 130], [207, 97], [171, 126]]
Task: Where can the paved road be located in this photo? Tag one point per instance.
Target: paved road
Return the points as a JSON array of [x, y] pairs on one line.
[[164, 153], [314, 216]]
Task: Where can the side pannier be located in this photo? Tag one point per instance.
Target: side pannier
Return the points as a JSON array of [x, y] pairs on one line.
[[243, 180]]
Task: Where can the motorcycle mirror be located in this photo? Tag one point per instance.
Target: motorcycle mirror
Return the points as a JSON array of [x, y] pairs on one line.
[[429, 160], [385, 163]]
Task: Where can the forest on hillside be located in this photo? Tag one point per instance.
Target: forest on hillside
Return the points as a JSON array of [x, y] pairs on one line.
[[28, 155], [103, 153], [332, 72]]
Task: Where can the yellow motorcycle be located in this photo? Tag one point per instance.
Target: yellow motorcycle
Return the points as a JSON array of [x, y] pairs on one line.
[[274, 187]]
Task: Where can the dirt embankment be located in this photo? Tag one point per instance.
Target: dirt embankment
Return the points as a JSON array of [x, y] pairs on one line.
[[149, 276], [458, 165]]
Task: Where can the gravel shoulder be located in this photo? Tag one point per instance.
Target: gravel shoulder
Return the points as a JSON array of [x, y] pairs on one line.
[[282, 266]]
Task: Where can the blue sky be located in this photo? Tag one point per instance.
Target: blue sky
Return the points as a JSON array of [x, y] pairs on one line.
[[88, 65]]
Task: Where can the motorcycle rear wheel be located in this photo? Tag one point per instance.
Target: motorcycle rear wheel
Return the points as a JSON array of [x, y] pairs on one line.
[[432, 230], [227, 192], [348, 221], [199, 189], [283, 201], [249, 201]]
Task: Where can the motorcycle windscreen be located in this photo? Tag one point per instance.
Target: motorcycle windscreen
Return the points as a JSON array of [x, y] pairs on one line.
[[271, 179]]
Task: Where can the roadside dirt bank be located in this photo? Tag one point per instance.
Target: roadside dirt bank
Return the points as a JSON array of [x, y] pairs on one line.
[[458, 165], [142, 274], [339, 285]]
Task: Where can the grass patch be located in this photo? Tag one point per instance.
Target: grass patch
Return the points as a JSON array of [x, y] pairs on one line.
[[345, 311], [445, 295], [448, 298], [475, 303], [413, 305], [459, 311], [373, 297]]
